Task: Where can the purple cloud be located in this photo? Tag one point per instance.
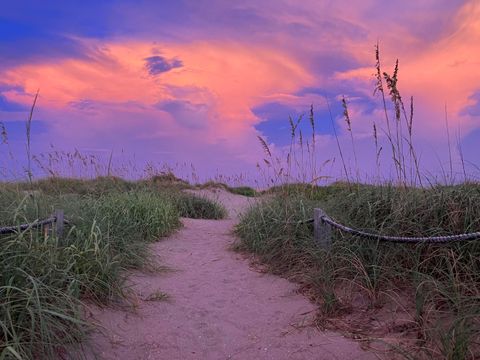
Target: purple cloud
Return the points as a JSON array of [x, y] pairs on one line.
[[158, 64], [185, 113], [474, 109]]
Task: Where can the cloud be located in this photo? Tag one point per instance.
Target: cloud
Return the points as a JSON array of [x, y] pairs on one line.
[[189, 115], [112, 70], [25, 43], [11, 106], [274, 123], [474, 108], [158, 64], [203, 109]]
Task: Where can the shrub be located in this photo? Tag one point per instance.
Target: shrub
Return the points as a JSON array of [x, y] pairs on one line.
[[196, 207]]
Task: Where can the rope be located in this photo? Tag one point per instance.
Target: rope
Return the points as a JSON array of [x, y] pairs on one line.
[[307, 221], [299, 222], [363, 234], [22, 227], [432, 239]]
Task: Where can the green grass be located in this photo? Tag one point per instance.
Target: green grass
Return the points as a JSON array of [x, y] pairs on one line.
[[242, 190], [197, 207], [44, 279], [238, 190], [59, 186], [438, 286]]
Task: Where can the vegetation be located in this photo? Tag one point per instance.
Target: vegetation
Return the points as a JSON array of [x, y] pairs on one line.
[[422, 300], [197, 207], [239, 190], [243, 190], [415, 295], [43, 278]]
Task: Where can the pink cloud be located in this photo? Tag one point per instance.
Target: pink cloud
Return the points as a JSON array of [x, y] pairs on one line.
[[192, 97]]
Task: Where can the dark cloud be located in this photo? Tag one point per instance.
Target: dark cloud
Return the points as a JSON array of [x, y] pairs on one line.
[[158, 64]]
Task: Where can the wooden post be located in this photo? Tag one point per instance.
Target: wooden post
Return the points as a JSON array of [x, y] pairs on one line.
[[59, 216], [47, 230], [322, 230]]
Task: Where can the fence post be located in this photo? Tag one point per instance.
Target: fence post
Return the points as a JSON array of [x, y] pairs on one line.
[[322, 230], [59, 220]]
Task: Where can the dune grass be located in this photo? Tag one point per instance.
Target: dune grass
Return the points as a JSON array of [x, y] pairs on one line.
[[198, 207], [238, 190], [44, 279], [243, 190], [423, 300]]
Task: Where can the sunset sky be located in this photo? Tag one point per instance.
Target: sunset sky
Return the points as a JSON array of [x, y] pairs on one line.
[[196, 82]]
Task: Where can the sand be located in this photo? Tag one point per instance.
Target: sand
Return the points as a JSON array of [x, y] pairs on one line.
[[217, 306]]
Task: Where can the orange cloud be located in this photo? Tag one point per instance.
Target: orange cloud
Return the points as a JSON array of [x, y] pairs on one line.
[[118, 74], [230, 78], [445, 72]]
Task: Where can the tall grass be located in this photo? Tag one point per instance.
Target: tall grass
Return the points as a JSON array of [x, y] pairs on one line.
[[437, 285], [421, 300], [44, 279], [196, 207]]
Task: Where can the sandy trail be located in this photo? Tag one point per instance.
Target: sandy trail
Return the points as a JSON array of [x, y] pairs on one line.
[[218, 307]]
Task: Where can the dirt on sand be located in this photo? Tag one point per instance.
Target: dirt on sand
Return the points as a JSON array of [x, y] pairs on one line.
[[216, 307]]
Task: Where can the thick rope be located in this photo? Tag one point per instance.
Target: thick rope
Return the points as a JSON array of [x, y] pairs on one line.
[[22, 227], [421, 239], [432, 239]]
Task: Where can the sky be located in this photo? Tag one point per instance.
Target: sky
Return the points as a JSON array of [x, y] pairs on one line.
[[196, 82]]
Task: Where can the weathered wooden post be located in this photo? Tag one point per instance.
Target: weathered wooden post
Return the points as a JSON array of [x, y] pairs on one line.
[[59, 222], [47, 230], [322, 230]]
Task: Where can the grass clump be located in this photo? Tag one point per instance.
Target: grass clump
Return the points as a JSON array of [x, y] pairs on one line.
[[127, 221], [422, 298], [239, 190], [197, 207], [243, 190], [43, 279], [58, 185]]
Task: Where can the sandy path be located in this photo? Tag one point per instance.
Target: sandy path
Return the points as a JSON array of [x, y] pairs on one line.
[[219, 308]]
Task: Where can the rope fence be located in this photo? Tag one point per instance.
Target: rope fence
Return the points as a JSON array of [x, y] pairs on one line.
[[323, 226], [423, 239], [57, 221]]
